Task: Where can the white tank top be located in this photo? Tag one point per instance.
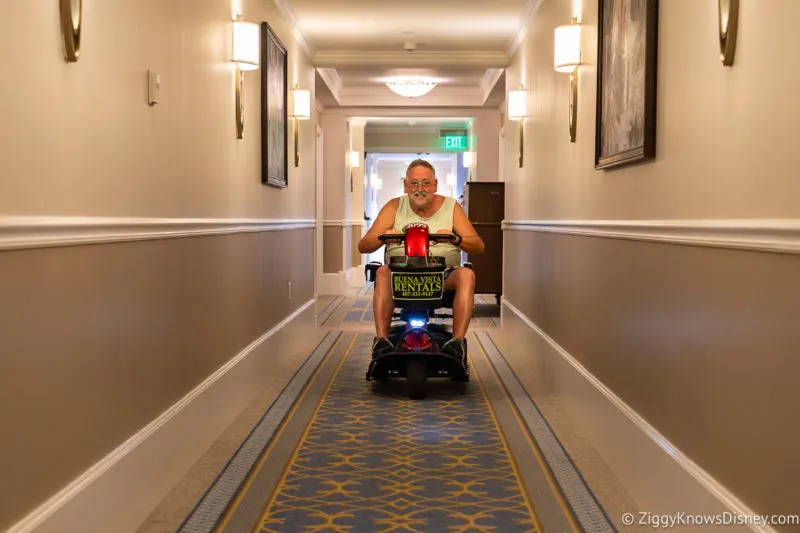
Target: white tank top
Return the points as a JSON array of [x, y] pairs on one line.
[[441, 219]]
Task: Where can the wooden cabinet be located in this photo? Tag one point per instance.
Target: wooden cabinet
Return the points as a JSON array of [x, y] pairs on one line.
[[484, 203]]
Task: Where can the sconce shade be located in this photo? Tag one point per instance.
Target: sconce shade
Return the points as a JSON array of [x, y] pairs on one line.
[[567, 54], [469, 159], [516, 105], [355, 159], [302, 104], [246, 44]]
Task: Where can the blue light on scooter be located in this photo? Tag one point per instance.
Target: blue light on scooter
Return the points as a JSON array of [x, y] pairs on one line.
[[417, 322]]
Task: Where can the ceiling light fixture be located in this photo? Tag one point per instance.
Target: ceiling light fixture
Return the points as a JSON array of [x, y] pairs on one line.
[[411, 87]]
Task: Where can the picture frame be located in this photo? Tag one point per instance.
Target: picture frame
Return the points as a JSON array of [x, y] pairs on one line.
[[274, 110], [627, 65]]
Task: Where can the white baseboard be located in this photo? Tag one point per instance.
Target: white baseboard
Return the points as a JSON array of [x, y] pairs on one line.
[[329, 284], [354, 278], [121, 490], [656, 474], [342, 282]]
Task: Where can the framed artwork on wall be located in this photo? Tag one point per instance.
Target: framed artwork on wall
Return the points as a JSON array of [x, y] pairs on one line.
[[274, 118], [627, 56]]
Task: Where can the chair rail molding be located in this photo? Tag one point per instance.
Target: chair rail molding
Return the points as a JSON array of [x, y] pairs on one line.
[[766, 235], [342, 223], [39, 232]]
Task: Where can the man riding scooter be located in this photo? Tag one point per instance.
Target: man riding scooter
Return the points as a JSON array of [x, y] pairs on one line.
[[421, 204]]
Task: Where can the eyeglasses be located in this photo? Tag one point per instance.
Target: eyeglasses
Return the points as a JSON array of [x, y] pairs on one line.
[[415, 184]]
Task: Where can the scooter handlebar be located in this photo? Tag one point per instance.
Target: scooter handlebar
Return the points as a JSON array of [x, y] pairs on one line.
[[400, 237]]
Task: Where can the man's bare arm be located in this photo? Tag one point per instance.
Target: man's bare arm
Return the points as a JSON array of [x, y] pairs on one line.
[[471, 242], [384, 223]]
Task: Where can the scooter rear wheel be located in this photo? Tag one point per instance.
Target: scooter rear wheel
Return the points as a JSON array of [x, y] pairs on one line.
[[417, 375]]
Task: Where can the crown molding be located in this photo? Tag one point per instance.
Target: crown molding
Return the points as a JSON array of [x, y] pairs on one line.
[[333, 81], [522, 30], [416, 129], [445, 90], [441, 96], [489, 80], [364, 110], [340, 58], [287, 10]]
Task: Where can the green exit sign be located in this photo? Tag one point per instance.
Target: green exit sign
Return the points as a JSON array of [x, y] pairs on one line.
[[454, 142]]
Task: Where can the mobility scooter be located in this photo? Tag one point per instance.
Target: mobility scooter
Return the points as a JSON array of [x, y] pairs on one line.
[[417, 280]]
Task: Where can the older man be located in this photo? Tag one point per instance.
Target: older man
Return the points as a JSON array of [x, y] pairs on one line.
[[442, 215]]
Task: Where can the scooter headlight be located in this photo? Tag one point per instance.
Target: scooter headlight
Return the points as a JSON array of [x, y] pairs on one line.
[[417, 322]]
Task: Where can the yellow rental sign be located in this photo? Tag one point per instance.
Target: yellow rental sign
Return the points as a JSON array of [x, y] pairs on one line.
[[417, 285]]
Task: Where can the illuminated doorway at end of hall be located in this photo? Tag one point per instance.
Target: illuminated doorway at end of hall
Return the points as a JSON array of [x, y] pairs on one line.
[[383, 180]]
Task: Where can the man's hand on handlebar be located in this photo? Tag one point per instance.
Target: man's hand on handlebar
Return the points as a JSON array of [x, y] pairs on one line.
[[392, 241]]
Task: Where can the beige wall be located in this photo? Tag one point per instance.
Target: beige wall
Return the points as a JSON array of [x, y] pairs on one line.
[[356, 232], [79, 138], [692, 338], [486, 129], [418, 140], [335, 152], [726, 135], [333, 249], [701, 342], [356, 197], [99, 340]]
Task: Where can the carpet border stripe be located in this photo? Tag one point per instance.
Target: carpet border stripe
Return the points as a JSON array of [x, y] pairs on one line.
[[210, 508], [581, 499]]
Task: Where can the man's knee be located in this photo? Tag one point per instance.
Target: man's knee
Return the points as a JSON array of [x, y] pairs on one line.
[[383, 277], [383, 274], [468, 276], [462, 278]]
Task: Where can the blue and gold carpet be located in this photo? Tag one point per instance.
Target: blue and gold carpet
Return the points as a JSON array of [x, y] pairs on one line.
[[377, 462], [336, 453]]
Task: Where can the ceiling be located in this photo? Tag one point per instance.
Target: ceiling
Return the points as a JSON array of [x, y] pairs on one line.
[[356, 45]]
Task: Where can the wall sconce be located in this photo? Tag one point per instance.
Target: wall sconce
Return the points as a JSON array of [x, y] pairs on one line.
[[517, 109], [301, 111], [567, 58], [246, 57], [728, 24], [353, 160], [71, 29], [469, 159]]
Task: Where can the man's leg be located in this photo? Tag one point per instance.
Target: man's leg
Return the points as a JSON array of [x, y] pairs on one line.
[[382, 309], [462, 280]]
